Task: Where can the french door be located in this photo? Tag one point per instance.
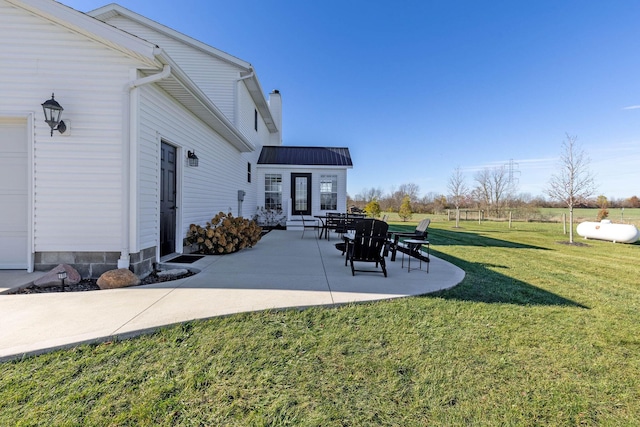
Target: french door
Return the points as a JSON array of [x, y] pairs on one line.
[[301, 193]]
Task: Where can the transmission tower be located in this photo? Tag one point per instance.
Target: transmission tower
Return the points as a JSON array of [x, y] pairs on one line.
[[513, 169]]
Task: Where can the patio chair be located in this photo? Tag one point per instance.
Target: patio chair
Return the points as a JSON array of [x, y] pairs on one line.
[[308, 224], [335, 222], [419, 233], [370, 236]]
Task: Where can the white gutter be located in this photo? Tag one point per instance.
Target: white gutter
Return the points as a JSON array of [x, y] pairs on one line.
[[236, 115], [129, 151]]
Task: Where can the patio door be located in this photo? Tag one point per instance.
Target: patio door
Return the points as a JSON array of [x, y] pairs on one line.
[[301, 193], [167, 199]]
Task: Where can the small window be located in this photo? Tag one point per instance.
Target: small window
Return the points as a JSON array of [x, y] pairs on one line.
[[249, 172], [328, 192], [255, 120], [273, 191]]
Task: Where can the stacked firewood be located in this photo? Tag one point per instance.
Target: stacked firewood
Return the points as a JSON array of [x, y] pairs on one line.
[[224, 234]]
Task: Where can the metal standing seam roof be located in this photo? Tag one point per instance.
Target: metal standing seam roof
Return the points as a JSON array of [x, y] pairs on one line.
[[313, 156]]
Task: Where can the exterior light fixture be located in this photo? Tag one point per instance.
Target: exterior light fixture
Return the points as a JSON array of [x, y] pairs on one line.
[[62, 274], [193, 159], [52, 113]]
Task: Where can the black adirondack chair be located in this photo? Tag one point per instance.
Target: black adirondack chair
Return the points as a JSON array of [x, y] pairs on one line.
[[370, 237], [420, 232]]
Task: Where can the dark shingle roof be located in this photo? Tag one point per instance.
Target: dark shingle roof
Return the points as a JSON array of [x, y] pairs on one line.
[[315, 156]]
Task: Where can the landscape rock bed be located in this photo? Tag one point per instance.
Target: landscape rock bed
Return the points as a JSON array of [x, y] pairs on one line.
[[90, 285]]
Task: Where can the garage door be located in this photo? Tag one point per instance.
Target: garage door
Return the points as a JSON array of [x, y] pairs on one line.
[[14, 206]]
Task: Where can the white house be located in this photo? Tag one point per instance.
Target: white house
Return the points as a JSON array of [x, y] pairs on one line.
[[116, 184], [304, 180]]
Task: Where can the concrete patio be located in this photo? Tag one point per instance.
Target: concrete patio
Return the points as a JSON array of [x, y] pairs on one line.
[[282, 271]]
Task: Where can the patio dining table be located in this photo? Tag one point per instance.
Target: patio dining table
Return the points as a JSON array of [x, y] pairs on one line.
[[339, 221]]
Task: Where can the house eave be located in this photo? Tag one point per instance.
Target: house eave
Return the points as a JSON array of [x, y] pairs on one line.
[[111, 10], [245, 68], [94, 29], [255, 90], [185, 91]]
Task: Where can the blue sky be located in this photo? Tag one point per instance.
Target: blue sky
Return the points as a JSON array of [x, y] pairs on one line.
[[417, 88]]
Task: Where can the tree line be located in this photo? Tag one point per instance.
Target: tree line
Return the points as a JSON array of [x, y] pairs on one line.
[[495, 192]]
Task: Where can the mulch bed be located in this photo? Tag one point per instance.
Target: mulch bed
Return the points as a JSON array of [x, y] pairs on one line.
[[91, 285]]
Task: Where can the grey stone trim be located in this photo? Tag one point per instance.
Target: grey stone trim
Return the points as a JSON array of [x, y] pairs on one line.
[[94, 264]]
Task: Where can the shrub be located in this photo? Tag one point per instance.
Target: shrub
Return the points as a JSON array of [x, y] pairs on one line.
[[603, 213], [373, 209], [405, 209], [270, 218], [224, 235]]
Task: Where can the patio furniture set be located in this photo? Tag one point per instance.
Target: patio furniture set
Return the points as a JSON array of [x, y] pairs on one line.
[[369, 240]]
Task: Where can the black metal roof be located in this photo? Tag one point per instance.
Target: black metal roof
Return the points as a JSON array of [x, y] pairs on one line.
[[314, 156]]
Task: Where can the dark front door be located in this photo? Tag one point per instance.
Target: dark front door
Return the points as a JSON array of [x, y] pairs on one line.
[[167, 199], [301, 193]]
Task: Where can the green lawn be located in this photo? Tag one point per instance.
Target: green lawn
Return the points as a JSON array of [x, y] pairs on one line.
[[538, 333]]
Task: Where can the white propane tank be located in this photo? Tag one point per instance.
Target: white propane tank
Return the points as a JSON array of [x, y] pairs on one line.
[[605, 230]]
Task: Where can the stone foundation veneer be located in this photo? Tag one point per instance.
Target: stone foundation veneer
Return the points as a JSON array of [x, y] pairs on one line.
[[93, 264]]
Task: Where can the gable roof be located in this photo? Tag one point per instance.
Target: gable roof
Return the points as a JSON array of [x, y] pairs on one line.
[[80, 23], [305, 156], [246, 70], [153, 60]]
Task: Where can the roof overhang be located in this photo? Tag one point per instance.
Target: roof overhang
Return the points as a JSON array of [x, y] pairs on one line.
[[187, 93], [245, 68], [255, 90], [309, 157], [78, 22]]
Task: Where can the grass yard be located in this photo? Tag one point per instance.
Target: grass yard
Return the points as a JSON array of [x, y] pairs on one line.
[[538, 333]]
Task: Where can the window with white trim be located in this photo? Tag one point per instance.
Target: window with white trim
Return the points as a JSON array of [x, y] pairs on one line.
[[273, 191], [329, 192]]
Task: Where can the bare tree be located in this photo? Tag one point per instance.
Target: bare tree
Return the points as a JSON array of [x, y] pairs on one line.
[[574, 181], [410, 189], [369, 194], [457, 191], [395, 198], [493, 187]]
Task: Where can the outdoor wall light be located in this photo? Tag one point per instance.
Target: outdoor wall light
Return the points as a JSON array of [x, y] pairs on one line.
[[193, 159], [62, 274], [52, 113]]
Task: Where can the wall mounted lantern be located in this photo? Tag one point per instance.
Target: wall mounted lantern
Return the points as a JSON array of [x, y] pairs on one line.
[[52, 113], [193, 159]]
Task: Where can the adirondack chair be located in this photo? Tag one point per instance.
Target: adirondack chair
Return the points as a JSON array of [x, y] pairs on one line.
[[419, 233], [367, 245]]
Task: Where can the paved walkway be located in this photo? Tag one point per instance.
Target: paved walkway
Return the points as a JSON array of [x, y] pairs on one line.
[[283, 270]]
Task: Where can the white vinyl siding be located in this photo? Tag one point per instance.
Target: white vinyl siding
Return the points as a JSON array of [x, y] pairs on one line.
[[246, 115], [215, 77], [203, 191], [77, 178]]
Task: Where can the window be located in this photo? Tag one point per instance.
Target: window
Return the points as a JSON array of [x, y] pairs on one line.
[[329, 192], [255, 120], [249, 172], [273, 191]]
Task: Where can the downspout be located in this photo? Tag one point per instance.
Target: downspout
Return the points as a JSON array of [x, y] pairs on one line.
[[128, 152], [236, 118]]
